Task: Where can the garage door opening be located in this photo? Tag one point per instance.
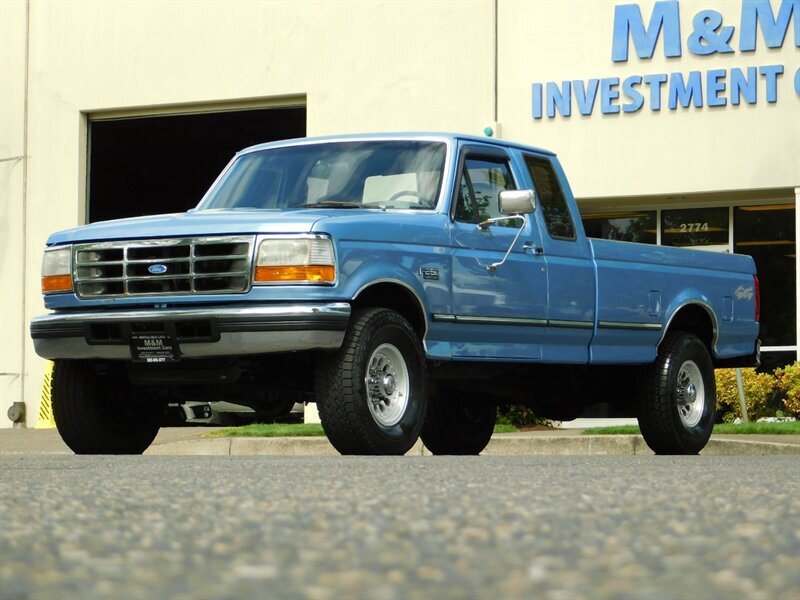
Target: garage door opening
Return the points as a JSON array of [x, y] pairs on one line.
[[155, 165]]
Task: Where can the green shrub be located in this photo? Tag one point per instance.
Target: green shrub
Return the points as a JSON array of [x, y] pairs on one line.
[[788, 380], [520, 416], [760, 391]]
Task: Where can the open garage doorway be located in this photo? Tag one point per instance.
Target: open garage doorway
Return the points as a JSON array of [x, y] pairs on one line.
[[164, 164]]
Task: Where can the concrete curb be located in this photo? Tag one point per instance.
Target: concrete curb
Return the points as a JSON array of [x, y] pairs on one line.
[[748, 448], [505, 445]]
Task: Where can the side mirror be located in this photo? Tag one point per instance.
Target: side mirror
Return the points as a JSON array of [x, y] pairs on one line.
[[517, 202], [514, 204]]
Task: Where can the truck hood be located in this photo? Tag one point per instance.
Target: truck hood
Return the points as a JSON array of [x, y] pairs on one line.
[[207, 222]]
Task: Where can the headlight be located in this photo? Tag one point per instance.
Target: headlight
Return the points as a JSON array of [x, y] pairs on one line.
[[57, 270], [295, 260]]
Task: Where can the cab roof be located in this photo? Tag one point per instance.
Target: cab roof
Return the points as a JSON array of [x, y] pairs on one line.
[[450, 138]]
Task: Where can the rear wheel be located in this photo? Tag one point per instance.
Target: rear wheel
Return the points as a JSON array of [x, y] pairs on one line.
[[98, 412], [458, 424], [677, 396], [371, 393]]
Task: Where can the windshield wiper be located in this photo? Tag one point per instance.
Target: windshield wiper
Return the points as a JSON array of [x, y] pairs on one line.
[[331, 204]]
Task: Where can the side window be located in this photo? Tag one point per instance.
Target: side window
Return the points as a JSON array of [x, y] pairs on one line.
[[551, 198], [482, 180]]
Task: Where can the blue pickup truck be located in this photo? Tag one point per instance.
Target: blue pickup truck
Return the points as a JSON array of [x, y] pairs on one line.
[[410, 284]]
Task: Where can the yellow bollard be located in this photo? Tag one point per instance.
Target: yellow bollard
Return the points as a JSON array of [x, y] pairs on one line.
[[45, 420]]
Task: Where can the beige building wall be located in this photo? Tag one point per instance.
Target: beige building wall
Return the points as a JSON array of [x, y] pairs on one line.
[[12, 210], [359, 66]]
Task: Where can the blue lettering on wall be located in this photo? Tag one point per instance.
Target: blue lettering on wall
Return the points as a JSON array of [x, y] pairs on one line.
[[770, 74], [685, 92], [560, 97], [759, 13], [536, 100], [585, 95], [628, 22], [744, 86], [608, 95], [715, 85], [634, 95], [709, 36], [655, 82]]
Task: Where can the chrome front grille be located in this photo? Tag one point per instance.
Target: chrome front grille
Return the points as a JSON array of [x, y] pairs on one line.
[[207, 265]]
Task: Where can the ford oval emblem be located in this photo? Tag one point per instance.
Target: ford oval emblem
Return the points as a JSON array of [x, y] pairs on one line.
[[157, 269]]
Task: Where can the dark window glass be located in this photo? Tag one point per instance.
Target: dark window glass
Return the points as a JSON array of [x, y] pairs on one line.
[[694, 227], [165, 164], [636, 226], [482, 180], [767, 233], [551, 198]]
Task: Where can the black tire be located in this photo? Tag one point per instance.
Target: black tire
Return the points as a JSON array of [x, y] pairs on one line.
[[676, 399], [343, 400], [98, 413], [458, 424]]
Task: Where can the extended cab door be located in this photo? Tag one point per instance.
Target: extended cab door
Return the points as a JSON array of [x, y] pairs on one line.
[[567, 258], [498, 313]]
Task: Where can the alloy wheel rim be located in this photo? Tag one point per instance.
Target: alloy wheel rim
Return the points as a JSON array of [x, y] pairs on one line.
[[387, 383], [690, 393]]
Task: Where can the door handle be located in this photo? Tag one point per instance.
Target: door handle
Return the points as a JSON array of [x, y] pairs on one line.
[[531, 248]]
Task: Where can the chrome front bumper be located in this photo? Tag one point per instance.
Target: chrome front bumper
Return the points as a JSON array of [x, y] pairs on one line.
[[207, 332]]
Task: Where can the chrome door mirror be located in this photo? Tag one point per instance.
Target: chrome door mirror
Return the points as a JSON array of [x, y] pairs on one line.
[[517, 202], [514, 204]]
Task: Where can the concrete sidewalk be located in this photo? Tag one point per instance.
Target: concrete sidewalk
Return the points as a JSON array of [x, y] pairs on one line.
[[189, 441], [48, 441]]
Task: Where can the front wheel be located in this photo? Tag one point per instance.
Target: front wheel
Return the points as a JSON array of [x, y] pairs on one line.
[[371, 393], [97, 411], [677, 396]]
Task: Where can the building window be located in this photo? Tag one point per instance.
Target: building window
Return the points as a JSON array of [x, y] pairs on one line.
[[767, 233], [636, 226], [695, 228]]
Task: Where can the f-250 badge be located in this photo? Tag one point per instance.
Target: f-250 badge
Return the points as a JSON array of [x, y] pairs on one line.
[[429, 273]]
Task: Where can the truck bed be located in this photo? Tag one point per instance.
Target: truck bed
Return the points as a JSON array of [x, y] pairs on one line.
[[640, 287]]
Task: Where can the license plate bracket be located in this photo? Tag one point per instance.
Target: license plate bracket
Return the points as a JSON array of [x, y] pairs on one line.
[[154, 347]]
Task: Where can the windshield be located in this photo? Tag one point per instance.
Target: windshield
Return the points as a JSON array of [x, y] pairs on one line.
[[369, 174]]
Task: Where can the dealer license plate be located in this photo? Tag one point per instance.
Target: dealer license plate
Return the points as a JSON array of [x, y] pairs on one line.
[[151, 347]]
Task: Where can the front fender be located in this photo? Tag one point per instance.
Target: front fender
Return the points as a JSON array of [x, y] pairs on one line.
[[384, 272]]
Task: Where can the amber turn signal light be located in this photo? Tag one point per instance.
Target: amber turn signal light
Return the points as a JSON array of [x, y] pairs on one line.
[[294, 274], [56, 283]]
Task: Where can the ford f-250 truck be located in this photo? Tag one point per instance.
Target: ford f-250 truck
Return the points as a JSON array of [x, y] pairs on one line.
[[409, 284]]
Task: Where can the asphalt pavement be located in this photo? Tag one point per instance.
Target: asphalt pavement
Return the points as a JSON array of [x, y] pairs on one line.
[[555, 527]]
